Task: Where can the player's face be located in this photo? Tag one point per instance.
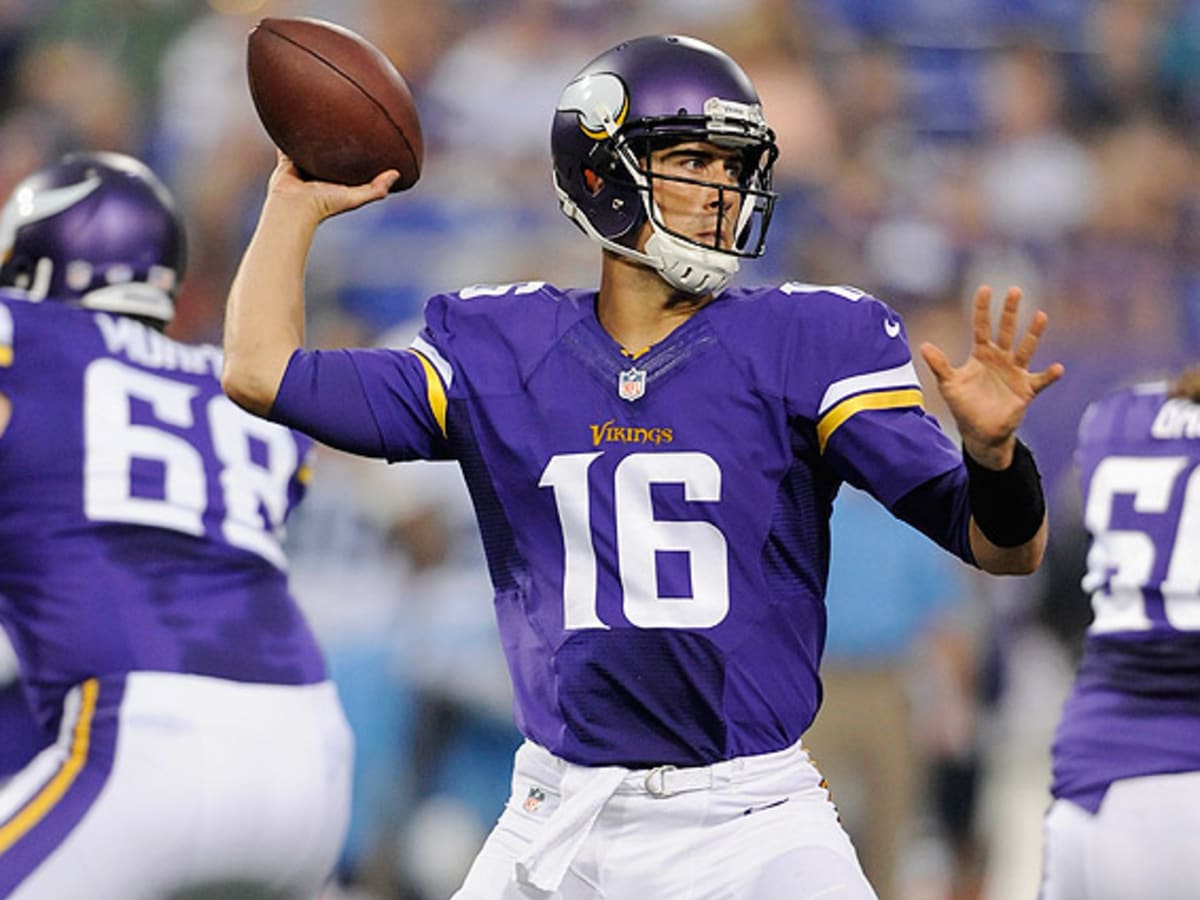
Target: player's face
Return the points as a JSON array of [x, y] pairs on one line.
[[706, 213]]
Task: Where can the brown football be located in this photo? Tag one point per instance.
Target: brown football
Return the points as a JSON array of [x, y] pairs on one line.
[[333, 102]]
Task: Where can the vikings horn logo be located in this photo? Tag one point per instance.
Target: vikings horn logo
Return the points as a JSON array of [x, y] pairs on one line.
[[28, 206], [593, 98]]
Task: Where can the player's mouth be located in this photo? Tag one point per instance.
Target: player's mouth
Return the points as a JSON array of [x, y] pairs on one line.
[[714, 237]]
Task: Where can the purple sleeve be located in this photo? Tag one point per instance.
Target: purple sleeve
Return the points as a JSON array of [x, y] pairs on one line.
[[941, 510], [857, 382], [369, 402], [889, 452]]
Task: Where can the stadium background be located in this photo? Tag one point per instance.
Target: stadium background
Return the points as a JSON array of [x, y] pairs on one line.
[[927, 146]]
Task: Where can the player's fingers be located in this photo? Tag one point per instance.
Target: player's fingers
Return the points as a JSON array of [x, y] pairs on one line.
[[1043, 379], [1029, 342], [982, 321], [375, 188], [1008, 318], [285, 172], [385, 180], [937, 361], [362, 195], [285, 163]]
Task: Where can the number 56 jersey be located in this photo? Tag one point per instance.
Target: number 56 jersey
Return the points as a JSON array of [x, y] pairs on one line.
[[656, 526], [1135, 707], [140, 510]]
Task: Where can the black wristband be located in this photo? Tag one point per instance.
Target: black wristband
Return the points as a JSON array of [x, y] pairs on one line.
[[1008, 505]]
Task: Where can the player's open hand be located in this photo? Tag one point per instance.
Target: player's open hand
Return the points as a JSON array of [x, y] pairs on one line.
[[323, 199], [989, 393]]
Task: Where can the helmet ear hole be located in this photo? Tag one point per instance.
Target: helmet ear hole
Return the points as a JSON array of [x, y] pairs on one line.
[[604, 161], [593, 182]]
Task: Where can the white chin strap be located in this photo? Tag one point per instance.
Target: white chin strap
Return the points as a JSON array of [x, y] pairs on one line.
[[689, 268], [682, 265]]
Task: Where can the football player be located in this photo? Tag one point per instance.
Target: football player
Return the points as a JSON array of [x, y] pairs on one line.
[[653, 465], [200, 746], [1125, 821]]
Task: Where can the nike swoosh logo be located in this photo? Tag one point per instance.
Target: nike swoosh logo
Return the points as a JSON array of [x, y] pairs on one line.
[[27, 206], [892, 328], [765, 806]]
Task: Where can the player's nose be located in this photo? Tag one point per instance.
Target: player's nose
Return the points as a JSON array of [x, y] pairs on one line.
[[722, 196]]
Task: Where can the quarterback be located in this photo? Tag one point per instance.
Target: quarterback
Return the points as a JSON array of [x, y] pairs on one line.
[[653, 464]]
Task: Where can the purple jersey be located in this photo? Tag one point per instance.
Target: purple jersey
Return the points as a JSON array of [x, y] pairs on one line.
[[140, 510], [656, 527], [1135, 709]]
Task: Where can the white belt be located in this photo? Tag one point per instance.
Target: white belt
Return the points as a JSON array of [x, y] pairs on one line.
[[666, 781]]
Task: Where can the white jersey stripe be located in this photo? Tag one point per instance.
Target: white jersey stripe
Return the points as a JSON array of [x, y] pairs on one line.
[[435, 358], [904, 376]]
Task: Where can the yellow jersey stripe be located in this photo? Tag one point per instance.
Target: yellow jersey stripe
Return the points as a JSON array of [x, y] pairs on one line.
[[37, 808], [894, 379], [435, 393], [6, 336], [832, 420]]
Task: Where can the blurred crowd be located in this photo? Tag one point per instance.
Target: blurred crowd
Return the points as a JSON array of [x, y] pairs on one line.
[[926, 146]]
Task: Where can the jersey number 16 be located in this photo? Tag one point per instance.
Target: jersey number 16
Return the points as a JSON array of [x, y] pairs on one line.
[[640, 537]]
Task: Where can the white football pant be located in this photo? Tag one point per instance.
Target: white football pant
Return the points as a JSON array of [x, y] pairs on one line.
[[1143, 844], [753, 828], [165, 785]]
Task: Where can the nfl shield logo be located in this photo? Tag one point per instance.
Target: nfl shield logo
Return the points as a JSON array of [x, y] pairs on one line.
[[534, 801], [631, 384]]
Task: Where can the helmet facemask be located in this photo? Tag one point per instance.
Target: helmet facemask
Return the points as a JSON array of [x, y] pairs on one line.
[[751, 196]]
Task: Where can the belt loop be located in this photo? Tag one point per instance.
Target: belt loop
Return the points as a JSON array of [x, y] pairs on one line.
[[656, 781]]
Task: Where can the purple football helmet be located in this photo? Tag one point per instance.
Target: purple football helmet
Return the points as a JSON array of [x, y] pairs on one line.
[[98, 230], [645, 94]]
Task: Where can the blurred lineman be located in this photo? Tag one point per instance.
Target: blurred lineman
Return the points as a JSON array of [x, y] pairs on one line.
[[652, 466], [200, 751], [1125, 822]]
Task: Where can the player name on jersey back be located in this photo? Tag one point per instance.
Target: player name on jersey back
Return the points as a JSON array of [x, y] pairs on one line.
[[148, 512]]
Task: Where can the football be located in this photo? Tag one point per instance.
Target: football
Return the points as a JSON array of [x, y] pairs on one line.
[[333, 102]]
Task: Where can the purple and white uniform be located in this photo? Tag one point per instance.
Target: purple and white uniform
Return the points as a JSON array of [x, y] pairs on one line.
[[1127, 751], [656, 528], [1135, 709], [144, 590]]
